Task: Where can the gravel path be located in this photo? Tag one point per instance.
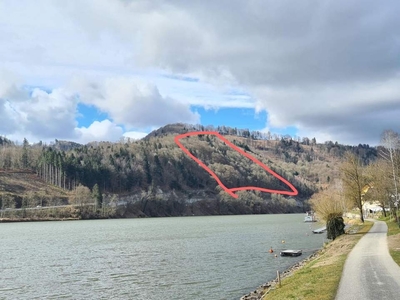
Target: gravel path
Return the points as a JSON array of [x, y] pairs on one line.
[[369, 271]]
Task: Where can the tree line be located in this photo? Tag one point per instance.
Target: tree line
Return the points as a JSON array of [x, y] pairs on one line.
[[364, 182], [155, 164]]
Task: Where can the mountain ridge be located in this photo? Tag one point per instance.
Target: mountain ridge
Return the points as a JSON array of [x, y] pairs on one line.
[[155, 163]]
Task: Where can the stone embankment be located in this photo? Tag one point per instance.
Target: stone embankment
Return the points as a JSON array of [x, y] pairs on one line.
[[266, 287]]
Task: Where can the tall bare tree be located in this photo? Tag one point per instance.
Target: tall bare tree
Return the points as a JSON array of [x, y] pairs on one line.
[[354, 181], [391, 143], [381, 186]]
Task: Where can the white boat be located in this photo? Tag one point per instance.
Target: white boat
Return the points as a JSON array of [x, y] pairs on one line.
[[310, 217], [320, 230]]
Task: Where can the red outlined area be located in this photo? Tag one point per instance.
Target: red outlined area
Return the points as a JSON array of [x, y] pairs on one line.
[[231, 191]]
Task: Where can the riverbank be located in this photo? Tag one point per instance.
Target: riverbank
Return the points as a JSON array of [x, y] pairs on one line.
[[264, 289], [304, 279], [139, 209], [9, 220], [57, 213]]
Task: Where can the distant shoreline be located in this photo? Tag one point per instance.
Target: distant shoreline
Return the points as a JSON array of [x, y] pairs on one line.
[[118, 216], [15, 220]]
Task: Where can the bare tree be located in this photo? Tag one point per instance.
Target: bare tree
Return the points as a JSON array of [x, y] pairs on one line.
[[82, 195], [391, 143], [32, 199], [8, 201], [381, 187], [354, 181]]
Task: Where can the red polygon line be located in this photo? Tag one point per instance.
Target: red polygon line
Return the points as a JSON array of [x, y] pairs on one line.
[[231, 191]]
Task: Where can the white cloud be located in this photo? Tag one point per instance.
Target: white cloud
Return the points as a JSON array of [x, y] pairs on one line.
[[311, 65], [37, 113], [41, 115], [99, 131], [135, 135], [133, 103], [47, 115], [328, 66]]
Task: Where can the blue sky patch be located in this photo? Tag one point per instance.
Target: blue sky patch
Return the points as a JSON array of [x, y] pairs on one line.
[[233, 117], [88, 114]]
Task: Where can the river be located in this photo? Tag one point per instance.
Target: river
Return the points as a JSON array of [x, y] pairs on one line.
[[212, 257]]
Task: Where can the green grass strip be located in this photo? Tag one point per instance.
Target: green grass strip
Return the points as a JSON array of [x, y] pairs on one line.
[[319, 279], [393, 234]]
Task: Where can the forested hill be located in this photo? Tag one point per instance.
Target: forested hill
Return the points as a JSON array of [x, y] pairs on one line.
[[156, 168], [5, 142]]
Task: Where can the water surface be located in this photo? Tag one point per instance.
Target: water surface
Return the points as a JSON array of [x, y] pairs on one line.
[[214, 257]]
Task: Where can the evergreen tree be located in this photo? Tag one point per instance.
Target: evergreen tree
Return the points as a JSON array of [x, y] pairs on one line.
[[334, 226], [97, 196], [25, 156]]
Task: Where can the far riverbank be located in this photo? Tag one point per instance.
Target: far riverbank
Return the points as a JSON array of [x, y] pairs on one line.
[[9, 220]]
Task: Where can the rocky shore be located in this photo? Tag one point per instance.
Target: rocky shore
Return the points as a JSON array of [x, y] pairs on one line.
[[266, 287]]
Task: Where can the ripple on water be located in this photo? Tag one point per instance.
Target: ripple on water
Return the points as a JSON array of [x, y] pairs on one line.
[[196, 258]]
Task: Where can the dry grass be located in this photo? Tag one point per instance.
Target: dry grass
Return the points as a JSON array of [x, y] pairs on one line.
[[21, 182]]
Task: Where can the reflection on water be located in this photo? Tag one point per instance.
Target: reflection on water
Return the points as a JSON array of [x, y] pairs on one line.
[[215, 257]]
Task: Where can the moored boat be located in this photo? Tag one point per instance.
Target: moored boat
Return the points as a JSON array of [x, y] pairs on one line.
[[320, 230], [310, 217], [291, 252]]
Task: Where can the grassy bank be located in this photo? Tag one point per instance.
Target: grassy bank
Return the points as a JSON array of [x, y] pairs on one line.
[[319, 279], [393, 239]]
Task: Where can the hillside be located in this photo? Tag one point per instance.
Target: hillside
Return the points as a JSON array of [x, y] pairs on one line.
[[154, 177], [19, 186]]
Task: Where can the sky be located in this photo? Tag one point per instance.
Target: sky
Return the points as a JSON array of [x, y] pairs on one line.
[[100, 70]]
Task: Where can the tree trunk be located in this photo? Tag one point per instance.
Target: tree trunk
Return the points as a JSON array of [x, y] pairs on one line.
[[361, 215]]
